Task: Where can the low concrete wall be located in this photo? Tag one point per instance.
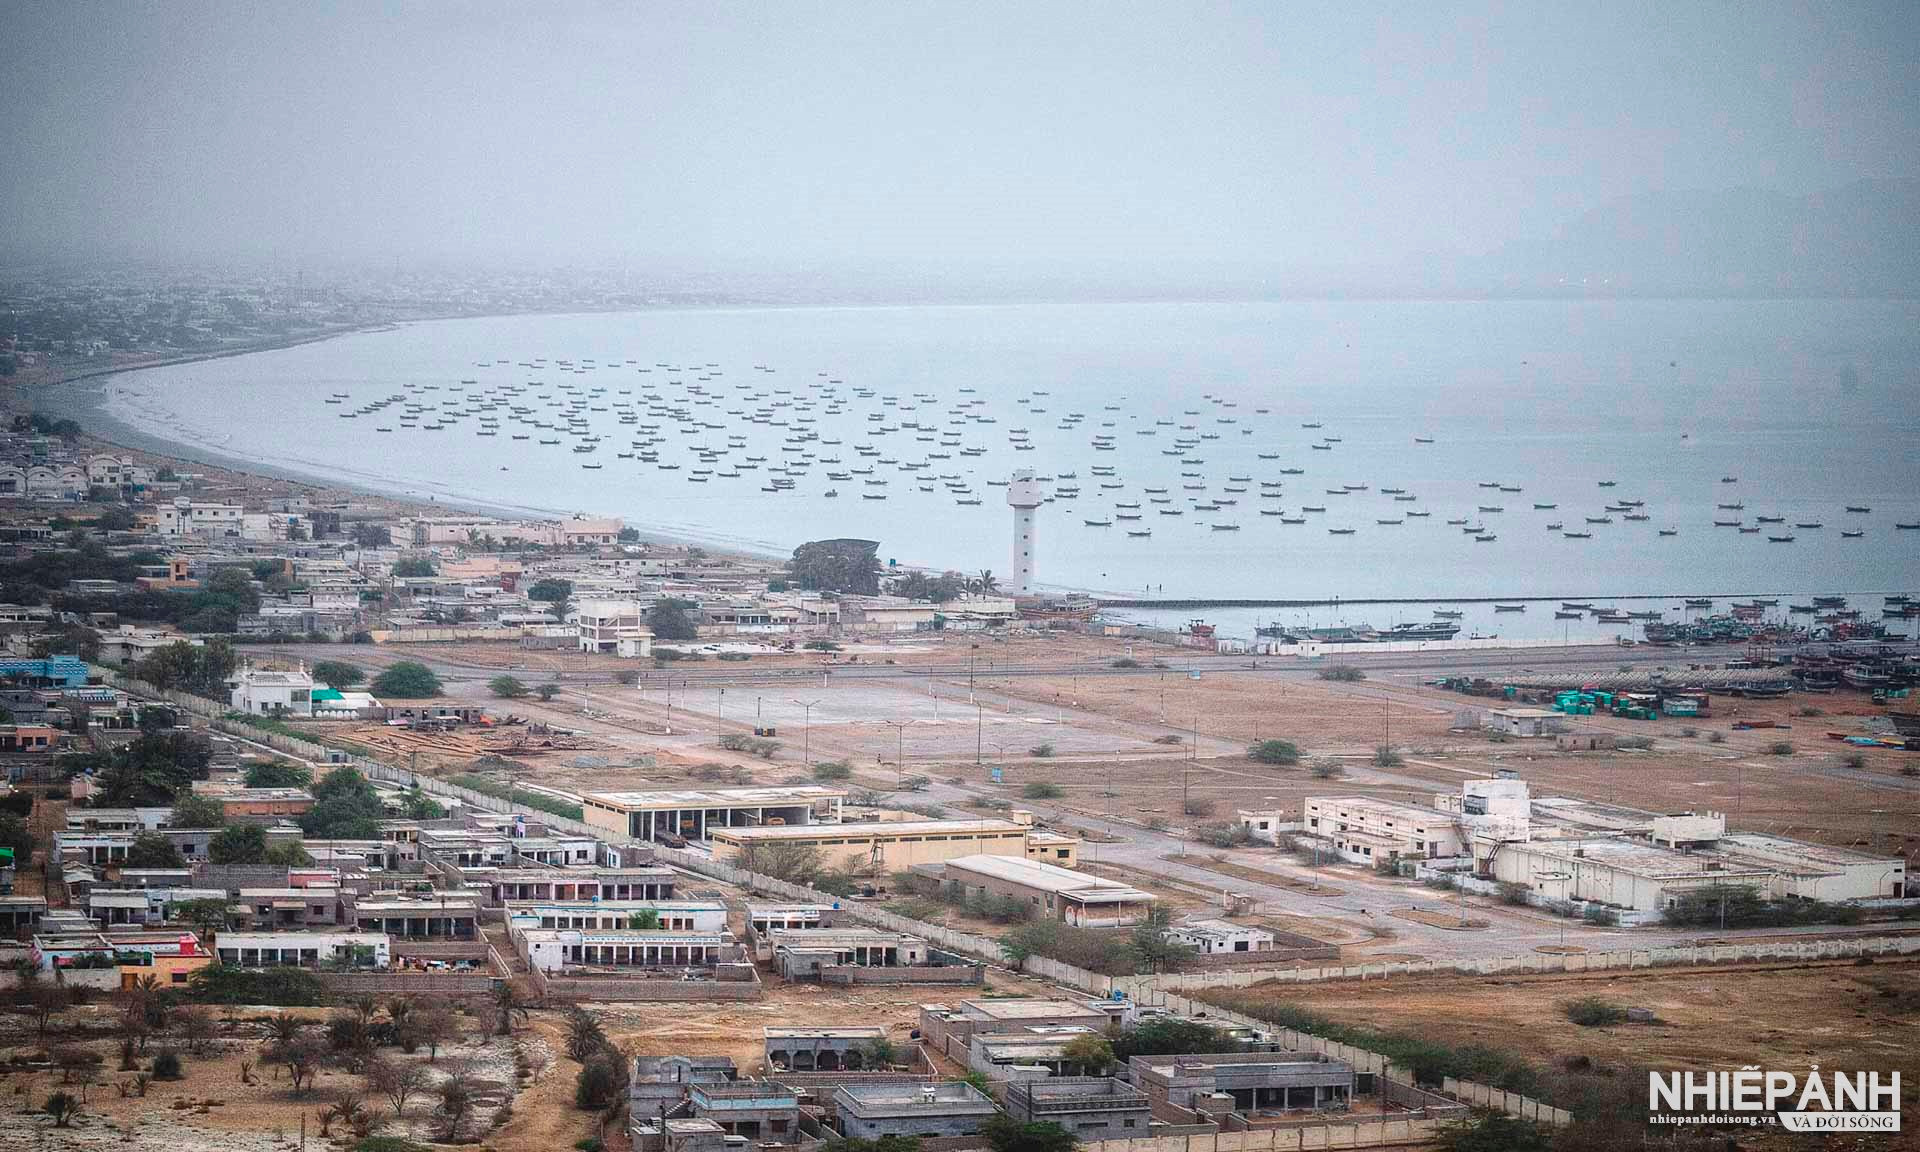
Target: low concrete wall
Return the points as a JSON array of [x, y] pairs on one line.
[[859, 974], [1358, 1133], [434, 985]]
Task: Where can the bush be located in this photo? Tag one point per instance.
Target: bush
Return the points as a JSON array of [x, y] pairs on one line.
[[1041, 790], [1780, 748], [1810, 712], [1327, 768], [1169, 738], [1690, 733], [407, 680], [488, 786], [1126, 662], [598, 1084], [832, 770], [1345, 673], [1222, 834], [1716, 737], [1199, 807], [287, 987], [1272, 752], [1628, 743], [821, 646], [1600, 916], [1593, 1012], [166, 1065], [507, 687], [1040, 751], [1515, 894], [1854, 760], [1385, 757]]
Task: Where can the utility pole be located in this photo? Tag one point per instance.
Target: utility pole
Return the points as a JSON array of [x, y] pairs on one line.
[[719, 699], [806, 731], [979, 731]]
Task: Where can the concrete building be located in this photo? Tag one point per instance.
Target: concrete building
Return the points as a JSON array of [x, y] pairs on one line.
[[820, 1049], [644, 883], [692, 814], [262, 805], [764, 918], [270, 691], [883, 846], [951, 1108], [444, 915], [1055, 848], [806, 953], [673, 915], [1217, 1084], [1524, 723], [617, 626], [1090, 1107], [758, 1110], [1364, 830], [1215, 937], [556, 950], [183, 517], [658, 1084], [1052, 893], [304, 949]]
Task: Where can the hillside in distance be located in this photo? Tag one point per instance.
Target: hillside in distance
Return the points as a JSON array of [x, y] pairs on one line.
[[1860, 239]]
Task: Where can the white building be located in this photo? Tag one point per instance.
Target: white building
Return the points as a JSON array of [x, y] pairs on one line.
[[1364, 829], [183, 517], [617, 626], [303, 949], [1213, 936], [266, 691]]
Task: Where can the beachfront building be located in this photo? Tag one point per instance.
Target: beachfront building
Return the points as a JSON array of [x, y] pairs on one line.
[[614, 626]]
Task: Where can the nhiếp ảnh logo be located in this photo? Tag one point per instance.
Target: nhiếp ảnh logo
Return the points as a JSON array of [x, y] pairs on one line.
[[1753, 1097]]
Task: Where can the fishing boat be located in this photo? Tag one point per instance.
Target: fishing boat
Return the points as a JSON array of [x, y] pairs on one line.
[[1423, 439], [1488, 538], [1726, 523], [1577, 535], [1544, 507], [1858, 508], [1341, 531], [1808, 524], [1780, 539], [1845, 535], [1226, 527], [1141, 532], [1509, 607], [1448, 613], [1569, 616]]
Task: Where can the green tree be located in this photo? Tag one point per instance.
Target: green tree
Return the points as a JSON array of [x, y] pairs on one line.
[[289, 855], [345, 808], [239, 844], [1150, 943], [63, 1107], [372, 535], [278, 774], [70, 639], [407, 680], [507, 687], [1171, 1038], [153, 769], [195, 811], [338, 673], [413, 566], [171, 666], [551, 591], [15, 834], [547, 691], [208, 915], [1005, 1134], [671, 619], [152, 850], [1490, 1131], [420, 806], [1092, 1052], [1275, 752], [843, 565]]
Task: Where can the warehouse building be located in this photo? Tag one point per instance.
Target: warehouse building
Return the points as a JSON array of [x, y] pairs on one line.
[[693, 815], [883, 846]]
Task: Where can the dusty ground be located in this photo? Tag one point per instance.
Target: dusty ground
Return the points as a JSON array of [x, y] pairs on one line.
[[210, 1107], [1838, 1016]]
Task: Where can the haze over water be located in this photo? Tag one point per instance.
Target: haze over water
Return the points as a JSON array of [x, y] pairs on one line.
[[1811, 405]]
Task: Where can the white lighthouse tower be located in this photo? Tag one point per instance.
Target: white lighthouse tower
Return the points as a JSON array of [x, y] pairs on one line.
[[1023, 496]]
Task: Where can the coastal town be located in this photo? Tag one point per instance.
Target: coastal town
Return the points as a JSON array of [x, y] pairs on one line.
[[395, 820]]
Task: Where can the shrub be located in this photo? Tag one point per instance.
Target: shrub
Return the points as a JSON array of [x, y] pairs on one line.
[[1040, 751], [1126, 662], [821, 646], [166, 1065], [407, 680], [222, 984], [1716, 737], [1514, 894], [832, 770], [1810, 711], [1690, 733], [1593, 1012], [1041, 790], [1326, 768], [597, 1084], [1385, 757], [547, 691], [1633, 742], [1222, 834], [1345, 673], [1854, 760], [1780, 748], [1272, 751], [1156, 823], [1199, 807], [507, 687], [1170, 738], [1600, 916]]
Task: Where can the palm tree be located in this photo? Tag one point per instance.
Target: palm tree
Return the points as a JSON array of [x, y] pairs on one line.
[[283, 1027], [507, 1004], [986, 585]]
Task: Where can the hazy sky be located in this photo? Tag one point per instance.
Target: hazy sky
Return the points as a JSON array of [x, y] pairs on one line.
[[919, 135]]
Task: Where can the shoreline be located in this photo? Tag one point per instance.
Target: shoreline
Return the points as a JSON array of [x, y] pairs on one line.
[[81, 396]]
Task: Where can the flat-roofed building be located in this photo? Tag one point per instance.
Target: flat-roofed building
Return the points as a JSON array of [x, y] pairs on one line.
[[1620, 872], [803, 953], [693, 815], [949, 1108], [820, 1049], [558, 949], [1213, 937], [674, 915], [452, 915], [1364, 829], [1052, 893], [614, 626], [303, 949], [1089, 1107], [881, 845], [764, 918], [645, 882], [1055, 848], [1243, 1082]]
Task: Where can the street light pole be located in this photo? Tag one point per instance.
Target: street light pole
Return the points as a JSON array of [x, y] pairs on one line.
[[979, 730], [806, 731]]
